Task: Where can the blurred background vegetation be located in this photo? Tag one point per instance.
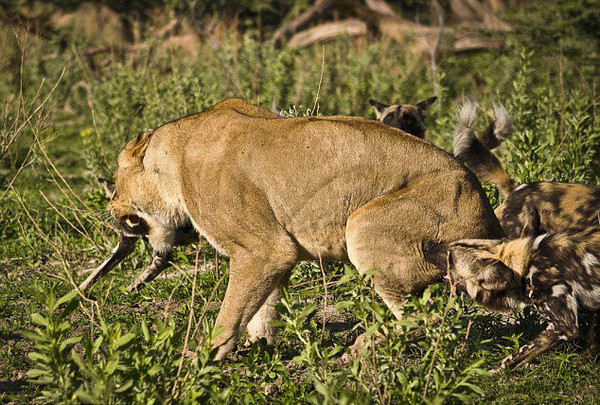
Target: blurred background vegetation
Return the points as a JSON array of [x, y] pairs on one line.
[[81, 78]]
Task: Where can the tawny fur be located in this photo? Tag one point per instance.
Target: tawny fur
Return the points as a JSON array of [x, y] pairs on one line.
[[270, 191]]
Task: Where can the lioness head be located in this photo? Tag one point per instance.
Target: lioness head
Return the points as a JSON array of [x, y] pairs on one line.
[[406, 117], [124, 191], [488, 270]]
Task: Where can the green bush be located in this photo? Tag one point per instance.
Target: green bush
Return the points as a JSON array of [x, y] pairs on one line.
[[126, 348]]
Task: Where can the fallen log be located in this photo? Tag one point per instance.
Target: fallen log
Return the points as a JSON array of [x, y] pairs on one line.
[[327, 32]]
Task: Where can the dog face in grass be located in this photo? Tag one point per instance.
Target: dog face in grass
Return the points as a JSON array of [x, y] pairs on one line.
[[479, 267], [406, 117]]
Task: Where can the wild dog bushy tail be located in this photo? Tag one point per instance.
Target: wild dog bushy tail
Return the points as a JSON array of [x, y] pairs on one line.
[[476, 154]]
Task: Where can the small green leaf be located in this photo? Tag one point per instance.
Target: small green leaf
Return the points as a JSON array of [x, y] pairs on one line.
[[38, 357], [38, 319], [145, 331], [123, 340], [69, 342], [155, 369], [67, 298], [36, 372], [124, 387]]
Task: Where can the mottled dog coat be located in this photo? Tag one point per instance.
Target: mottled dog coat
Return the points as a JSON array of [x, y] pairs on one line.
[[556, 273], [530, 209], [406, 117]]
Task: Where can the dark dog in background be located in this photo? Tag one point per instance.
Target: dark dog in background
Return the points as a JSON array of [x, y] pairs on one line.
[[406, 117]]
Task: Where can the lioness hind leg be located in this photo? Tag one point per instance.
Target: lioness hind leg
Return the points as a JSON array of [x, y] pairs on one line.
[[394, 233], [253, 278], [386, 235], [382, 236]]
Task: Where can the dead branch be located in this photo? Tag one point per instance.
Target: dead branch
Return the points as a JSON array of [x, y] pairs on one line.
[[472, 43], [325, 32], [381, 7], [319, 8], [476, 13], [379, 15]]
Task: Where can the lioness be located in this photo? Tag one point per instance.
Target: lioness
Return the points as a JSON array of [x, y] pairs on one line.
[[270, 191]]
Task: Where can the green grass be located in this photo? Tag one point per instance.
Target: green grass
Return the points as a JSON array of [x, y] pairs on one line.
[[134, 342]]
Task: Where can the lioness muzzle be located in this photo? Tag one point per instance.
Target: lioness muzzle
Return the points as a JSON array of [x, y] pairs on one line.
[[269, 191]]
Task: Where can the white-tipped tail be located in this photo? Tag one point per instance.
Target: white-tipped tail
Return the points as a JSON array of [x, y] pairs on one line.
[[475, 153], [464, 134], [503, 123]]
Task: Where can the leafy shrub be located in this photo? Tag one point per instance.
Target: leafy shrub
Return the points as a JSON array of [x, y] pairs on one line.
[[141, 366]]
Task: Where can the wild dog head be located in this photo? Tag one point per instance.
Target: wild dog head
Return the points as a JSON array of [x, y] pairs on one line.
[[406, 117], [489, 270]]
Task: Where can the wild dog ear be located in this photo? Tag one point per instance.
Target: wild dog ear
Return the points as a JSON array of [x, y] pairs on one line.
[[378, 107], [497, 277], [479, 247], [425, 104], [132, 221], [109, 187]]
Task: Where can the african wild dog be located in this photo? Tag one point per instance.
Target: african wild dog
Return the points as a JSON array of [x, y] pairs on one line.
[[532, 208], [406, 117], [557, 273]]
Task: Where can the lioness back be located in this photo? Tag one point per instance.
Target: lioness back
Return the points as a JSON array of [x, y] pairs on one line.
[[270, 191], [310, 172]]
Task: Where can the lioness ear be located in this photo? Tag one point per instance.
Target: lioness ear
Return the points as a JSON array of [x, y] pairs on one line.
[[109, 187], [378, 107], [140, 145], [425, 104]]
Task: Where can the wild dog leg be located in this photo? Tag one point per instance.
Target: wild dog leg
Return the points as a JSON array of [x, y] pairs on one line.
[[561, 313], [161, 258], [593, 338], [160, 261], [121, 251]]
